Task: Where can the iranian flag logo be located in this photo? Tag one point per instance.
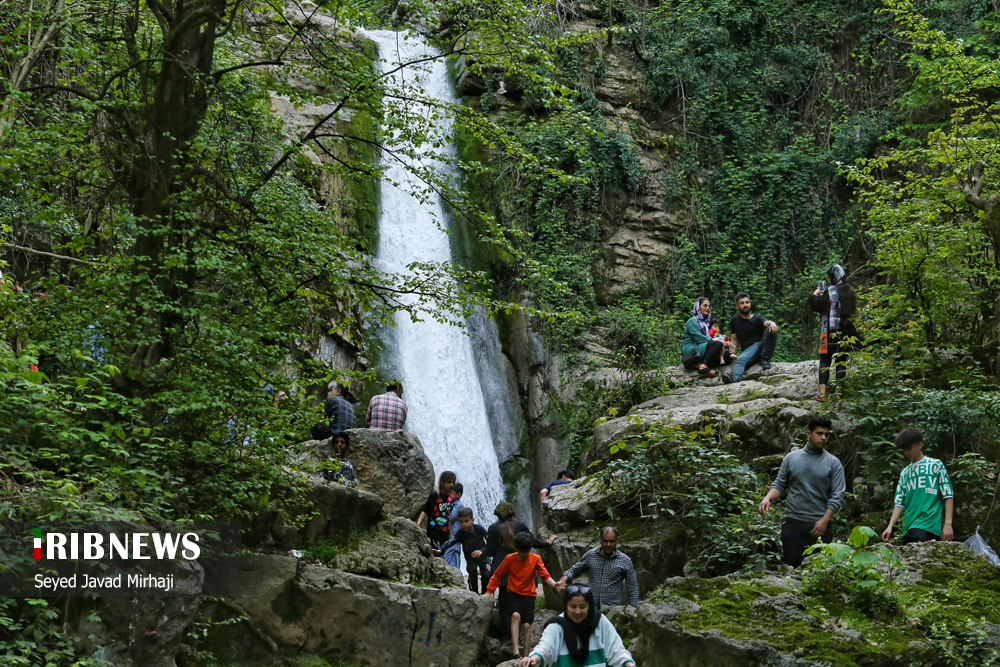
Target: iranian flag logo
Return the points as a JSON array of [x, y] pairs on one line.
[[38, 543]]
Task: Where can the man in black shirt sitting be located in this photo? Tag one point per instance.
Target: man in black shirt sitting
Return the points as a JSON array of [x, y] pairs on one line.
[[755, 336]]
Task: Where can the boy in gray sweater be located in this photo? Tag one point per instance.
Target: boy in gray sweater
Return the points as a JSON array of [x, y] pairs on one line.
[[812, 481]]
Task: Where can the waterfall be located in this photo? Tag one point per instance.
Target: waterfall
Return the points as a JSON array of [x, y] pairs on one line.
[[446, 405]]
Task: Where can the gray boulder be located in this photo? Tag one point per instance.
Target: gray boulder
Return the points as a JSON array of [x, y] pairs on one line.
[[332, 510], [311, 610], [398, 551], [390, 464], [763, 411], [573, 505]]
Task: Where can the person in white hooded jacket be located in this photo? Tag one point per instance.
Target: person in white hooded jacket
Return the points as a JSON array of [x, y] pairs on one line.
[[581, 635]]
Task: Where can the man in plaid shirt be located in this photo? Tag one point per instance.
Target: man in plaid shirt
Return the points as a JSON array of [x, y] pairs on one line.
[[609, 568], [387, 412]]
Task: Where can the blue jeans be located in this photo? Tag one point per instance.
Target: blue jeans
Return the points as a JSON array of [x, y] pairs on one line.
[[759, 351]]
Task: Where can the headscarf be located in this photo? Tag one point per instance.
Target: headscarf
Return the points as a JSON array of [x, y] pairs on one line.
[[504, 510], [704, 321], [837, 275], [576, 636]]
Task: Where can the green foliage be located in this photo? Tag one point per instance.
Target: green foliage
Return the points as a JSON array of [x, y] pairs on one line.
[[635, 332], [325, 549], [963, 646], [688, 479], [31, 634], [865, 574]]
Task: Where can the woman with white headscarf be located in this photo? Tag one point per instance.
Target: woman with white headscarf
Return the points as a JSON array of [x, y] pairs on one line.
[[837, 303]]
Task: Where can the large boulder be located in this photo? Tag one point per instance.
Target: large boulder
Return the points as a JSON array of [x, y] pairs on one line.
[[770, 620], [764, 412], [330, 510], [390, 464], [311, 610], [573, 505]]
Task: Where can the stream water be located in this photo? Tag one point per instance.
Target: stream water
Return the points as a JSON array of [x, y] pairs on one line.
[[435, 361]]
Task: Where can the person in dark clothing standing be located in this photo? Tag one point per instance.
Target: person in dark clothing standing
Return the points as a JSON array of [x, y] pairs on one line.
[[755, 336], [837, 303], [812, 481], [437, 511], [472, 537]]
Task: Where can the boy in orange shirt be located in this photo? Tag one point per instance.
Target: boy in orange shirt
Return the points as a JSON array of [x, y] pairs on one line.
[[518, 605]]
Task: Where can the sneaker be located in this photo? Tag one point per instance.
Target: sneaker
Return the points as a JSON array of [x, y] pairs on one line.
[[727, 378], [764, 365]]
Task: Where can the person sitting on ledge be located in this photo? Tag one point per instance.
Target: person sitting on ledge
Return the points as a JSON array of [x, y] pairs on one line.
[[755, 336], [698, 350]]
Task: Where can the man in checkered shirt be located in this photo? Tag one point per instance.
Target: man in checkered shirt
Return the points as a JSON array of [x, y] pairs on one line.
[[387, 412], [609, 569]]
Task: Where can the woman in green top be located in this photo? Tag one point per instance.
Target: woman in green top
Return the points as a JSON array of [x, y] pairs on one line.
[[698, 350]]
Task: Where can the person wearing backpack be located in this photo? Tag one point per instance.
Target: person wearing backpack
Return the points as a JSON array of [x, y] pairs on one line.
[[838, 304]]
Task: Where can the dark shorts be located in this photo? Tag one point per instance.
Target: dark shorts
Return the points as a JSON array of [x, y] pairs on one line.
[[522, 604], [795, 539], [919, 535]]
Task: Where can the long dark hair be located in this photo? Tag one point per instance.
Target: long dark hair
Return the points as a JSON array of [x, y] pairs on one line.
[[447, 477], [576, 636]]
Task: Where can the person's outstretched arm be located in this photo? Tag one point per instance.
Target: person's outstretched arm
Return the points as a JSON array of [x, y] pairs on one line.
[[574, 569], [615, 653], [897, 510]]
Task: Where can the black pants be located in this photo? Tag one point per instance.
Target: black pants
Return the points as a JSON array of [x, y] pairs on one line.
[[712, 357], [478, 570], [836, 356], [795, 539], [919, 535]]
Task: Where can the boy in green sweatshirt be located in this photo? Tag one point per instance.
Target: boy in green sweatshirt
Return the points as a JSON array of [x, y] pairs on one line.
[[923, 491]]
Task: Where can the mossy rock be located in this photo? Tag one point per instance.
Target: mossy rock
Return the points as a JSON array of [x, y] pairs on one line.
[[769, 620]]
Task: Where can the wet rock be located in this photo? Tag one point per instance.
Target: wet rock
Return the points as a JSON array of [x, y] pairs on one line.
[[306, 609]]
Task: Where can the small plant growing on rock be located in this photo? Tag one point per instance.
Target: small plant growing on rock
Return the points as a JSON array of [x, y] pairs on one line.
[[963, 647], [861, 574]]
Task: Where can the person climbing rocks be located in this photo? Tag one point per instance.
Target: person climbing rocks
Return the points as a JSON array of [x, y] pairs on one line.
[[500, 542], [517, 607], [812, 481], [610, 571], [342, 471], [698, 350], [500, 536], [755, 336], [581, 635], [564, 477], [387, 412], [470, 537], [923, 494], [453, 553], [838, 335], [437, 511]]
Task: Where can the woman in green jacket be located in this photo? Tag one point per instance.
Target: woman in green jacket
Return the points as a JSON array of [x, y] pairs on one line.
[[698, 350]]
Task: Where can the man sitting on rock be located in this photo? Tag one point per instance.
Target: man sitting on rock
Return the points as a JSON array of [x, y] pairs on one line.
[[609, 570], [387, 412], [812, 481], [923, 494], [564, 477], [755, 336]]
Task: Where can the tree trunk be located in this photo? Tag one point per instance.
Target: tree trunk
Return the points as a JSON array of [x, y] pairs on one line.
[[170, 122]]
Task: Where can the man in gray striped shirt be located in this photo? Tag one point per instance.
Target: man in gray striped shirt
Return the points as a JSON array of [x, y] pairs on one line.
[[609, 569]]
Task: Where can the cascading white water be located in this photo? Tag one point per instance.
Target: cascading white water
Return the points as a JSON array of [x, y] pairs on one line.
[[435, 361]]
